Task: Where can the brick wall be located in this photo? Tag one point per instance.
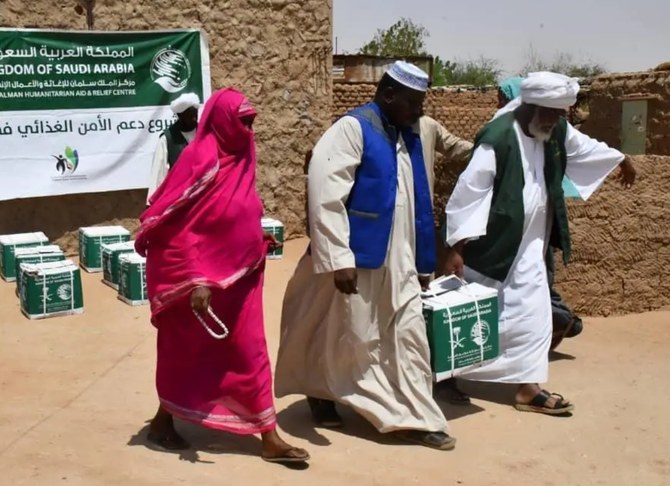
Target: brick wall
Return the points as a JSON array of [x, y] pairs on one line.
[[463, 112]]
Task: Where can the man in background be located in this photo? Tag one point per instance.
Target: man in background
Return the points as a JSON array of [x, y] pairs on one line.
[[174, 139]]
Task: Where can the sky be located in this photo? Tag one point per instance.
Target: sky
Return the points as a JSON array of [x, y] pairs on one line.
[[630, 35]]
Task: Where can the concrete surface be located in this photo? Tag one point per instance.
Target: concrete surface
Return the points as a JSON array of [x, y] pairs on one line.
[[76, 392]]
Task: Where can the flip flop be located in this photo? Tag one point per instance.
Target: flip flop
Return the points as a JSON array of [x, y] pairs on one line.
[[434, 440], [167, 443], [286, 457], [539, 401]]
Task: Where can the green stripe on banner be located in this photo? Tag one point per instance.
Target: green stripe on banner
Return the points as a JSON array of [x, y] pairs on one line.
[[52, 70]]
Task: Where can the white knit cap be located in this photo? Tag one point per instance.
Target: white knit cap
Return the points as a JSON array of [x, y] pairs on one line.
[[409, 75], [550, 90], [184, 102]]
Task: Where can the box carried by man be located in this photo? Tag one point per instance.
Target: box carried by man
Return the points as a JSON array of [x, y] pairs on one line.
[[110, 261], [51, 289], [462, 325], [8, 246], [91, 241], [132, 279]]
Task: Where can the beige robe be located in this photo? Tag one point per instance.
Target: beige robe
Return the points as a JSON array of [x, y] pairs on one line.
[[436, 138], [368, 351]]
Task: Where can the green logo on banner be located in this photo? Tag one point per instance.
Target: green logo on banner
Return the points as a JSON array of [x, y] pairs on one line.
[[69, 162], [171, 70]]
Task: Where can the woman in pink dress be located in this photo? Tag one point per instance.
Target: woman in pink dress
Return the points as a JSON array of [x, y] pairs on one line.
[[205, 250]]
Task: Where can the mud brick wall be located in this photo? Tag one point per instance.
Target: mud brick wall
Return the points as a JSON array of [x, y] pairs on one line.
[[621, 245], [463, 112], [278, 52], [604, 122]]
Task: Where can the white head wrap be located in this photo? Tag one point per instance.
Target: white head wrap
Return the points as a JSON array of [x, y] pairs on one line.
[[409, 75], [550, 90], [184, 102]]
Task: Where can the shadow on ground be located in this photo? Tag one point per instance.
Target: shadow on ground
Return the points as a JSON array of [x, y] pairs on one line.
[[557, 356], [297, 421], [208, 441]]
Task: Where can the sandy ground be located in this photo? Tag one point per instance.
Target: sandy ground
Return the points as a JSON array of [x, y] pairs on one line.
[[76, 392]]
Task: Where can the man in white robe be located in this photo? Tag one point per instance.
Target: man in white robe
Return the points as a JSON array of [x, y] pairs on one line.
[[565, 322], [174, 139], [525, 311], [351, 334]]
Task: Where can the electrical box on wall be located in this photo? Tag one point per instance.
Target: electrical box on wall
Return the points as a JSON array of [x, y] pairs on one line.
[[634, 126]]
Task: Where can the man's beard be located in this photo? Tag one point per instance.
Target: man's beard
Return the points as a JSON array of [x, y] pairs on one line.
[[537, 131]]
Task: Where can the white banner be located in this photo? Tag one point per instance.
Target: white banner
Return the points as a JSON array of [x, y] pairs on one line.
[[95, 126]]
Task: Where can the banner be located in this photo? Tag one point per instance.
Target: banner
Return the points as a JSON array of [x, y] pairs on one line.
[[82, 111]]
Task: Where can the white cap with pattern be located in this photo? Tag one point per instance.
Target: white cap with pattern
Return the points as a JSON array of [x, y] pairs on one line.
[[409, 75]]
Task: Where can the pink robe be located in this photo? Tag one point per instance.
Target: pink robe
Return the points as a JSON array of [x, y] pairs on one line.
[[203, 228]]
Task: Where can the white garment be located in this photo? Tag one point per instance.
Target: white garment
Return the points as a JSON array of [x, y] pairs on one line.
[[551, 90], [524, 303], [159, 164], [370, 350], [511, 106], [184, 102]]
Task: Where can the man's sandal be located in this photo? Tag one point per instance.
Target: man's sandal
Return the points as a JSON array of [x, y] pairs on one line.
[[434, 440], [539, 404]]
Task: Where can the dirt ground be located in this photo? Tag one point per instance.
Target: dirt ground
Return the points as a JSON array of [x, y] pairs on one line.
[[76, 393]]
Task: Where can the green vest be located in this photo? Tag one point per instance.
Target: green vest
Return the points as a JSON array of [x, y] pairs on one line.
[[493, 255], [175, 142]]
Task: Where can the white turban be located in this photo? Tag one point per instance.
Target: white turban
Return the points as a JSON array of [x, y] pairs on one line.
[[550, 90], [184, 102]]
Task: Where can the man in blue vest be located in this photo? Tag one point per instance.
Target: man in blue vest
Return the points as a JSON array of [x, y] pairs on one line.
[[174, 139], [505, 210], [352, 324]]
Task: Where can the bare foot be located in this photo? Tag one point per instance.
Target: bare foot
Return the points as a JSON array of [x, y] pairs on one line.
[[163, 434]]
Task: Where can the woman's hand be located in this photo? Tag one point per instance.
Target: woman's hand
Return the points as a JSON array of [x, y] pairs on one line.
[[200, 299], [274, 243]]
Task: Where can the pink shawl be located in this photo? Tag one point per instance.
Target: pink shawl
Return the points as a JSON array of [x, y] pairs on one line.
[[203, 226]]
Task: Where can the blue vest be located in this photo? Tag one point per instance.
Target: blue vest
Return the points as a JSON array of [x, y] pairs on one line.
[[371, 203]]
